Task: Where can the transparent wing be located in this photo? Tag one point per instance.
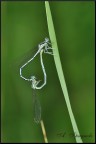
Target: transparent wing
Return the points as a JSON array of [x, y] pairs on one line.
[[18, 62], [36, 108]]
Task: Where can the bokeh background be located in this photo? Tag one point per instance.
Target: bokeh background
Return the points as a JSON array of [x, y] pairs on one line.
[[23, 26]]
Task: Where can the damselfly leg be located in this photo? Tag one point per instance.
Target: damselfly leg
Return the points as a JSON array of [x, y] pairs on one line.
[[47, 48]]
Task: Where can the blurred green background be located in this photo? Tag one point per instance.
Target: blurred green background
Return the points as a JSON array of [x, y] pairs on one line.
[[23, 26]]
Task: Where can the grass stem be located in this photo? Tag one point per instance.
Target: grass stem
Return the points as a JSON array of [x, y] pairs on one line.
[[60, 70], [44, 131]]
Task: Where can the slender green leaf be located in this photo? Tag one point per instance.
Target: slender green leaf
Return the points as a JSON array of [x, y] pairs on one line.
[[59, 69]]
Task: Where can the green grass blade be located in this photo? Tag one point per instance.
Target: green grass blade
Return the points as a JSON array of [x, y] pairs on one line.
[[59, 70]]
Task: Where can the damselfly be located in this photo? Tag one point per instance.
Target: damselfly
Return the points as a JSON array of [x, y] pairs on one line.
[[42, 48]]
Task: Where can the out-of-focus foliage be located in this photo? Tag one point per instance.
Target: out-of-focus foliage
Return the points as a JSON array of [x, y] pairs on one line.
[[23, 26]]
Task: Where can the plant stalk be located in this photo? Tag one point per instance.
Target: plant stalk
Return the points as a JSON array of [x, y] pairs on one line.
[[44, 131], [60, 71]]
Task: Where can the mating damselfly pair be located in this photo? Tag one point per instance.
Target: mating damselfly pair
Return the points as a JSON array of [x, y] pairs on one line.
[[43, 47]]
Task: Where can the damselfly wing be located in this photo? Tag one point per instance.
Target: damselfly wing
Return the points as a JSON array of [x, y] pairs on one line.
[[36, 107]]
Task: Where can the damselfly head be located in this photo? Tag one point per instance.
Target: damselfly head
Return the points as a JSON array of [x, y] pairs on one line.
[[46, 39], [33, 78]]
